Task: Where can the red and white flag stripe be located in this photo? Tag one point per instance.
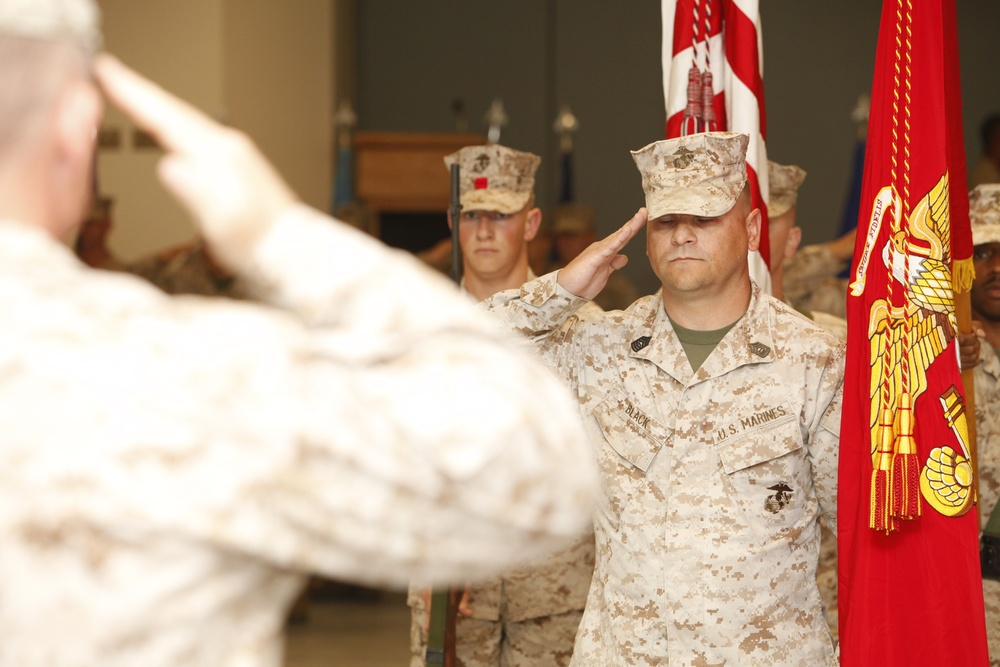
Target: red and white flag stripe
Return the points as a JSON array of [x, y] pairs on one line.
[[735, 59]]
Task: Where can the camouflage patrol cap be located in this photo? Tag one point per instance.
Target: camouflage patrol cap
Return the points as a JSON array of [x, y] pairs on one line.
[[984, 212], [494, 177], [74, 21], [700, 174], [783, 184], [572, 219]]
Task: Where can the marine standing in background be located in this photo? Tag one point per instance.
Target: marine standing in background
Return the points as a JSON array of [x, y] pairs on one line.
[[528, 616], [984, 212]]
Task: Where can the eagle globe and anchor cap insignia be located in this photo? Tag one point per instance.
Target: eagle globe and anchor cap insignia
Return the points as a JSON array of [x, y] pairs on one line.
[[778, 500], [684, 158]]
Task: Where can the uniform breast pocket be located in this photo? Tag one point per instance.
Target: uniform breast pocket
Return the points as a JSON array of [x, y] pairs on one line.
[[631, 441], [767, 472]]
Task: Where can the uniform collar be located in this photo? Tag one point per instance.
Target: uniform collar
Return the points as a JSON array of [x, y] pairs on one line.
[[751, 341], [531, 276]]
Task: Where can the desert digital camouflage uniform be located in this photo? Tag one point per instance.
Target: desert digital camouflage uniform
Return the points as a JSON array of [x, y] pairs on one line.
[[527, 616], [984, 212], [708, 530], [987, 378], [172, 467], [784, 182], [538, 606], [811, 281], [188, 270], [826, 571]]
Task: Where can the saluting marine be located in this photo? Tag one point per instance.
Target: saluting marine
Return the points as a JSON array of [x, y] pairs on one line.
[[714, 412]]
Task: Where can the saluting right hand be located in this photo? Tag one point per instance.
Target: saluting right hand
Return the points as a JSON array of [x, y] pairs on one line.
[[231, 190], [588, 273]]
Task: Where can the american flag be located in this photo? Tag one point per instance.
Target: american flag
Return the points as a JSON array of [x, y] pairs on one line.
[[713, 79]]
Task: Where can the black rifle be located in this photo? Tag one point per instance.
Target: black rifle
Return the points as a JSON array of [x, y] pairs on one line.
[[455, 210], [444, 602]]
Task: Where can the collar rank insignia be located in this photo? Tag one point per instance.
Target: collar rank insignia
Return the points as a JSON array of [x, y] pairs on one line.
[[639, 343], [779, 499], [760, 349]]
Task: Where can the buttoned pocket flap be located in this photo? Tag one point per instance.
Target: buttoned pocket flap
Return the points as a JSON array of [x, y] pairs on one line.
[[634, 435], [768, 443]]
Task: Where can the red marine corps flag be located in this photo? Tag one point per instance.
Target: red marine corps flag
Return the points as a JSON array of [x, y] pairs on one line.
[[713, 80], [910, 586]]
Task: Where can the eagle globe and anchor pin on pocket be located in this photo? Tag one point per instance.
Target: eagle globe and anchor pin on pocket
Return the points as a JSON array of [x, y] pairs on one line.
[[781, 497], [763, 461]]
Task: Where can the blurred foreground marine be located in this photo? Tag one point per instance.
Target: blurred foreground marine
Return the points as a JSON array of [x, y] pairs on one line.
[[715, 412], [170, 468]]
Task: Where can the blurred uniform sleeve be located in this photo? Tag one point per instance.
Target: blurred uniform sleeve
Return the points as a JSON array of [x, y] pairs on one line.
[[433, 444], [375, 426]]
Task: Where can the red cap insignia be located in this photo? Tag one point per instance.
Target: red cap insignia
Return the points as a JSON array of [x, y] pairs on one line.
[[481, 183]]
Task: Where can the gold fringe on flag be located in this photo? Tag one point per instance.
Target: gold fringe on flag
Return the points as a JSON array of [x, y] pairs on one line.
[[963, 273]]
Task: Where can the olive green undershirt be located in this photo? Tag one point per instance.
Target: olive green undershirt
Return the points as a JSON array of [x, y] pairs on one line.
[[699, 344]]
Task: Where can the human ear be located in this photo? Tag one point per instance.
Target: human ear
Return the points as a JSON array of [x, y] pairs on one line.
[[73, 132], [792, 241], [753, 230], [78, 113], [532, 224]]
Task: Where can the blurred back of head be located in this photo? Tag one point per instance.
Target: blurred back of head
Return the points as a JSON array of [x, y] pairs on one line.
[[43, 44]]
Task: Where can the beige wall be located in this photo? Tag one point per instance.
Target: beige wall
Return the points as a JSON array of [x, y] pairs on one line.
[[279, 86], [265, 67]]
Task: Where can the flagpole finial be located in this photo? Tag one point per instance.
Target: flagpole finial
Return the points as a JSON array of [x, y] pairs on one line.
[[344, 120], [859, 114], [565, 125], [496, 118]]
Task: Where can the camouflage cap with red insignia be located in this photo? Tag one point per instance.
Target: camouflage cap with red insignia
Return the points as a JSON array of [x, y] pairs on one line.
[[494, 177], [984, 213]]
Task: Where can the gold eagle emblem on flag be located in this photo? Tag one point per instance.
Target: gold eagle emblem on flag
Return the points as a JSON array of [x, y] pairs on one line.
[[904, 341]]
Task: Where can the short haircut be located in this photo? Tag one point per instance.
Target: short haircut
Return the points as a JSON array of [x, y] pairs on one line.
[[32, 74]]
